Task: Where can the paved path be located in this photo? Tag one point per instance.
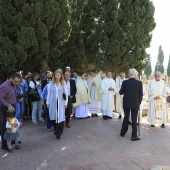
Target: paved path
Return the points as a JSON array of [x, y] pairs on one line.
[[90, 144]]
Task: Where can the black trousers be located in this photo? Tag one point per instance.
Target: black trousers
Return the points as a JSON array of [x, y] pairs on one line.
[[68, 110], [3, 127], [134, 115], [28, 107], [58, 128]]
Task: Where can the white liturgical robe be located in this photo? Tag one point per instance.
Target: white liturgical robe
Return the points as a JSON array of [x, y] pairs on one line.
[[119, 98], [107, 102], [157, 108], [95, 94]]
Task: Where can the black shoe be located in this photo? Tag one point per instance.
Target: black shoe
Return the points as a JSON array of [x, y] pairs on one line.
[[105, 117], [122, 135], [25, 119], [152, 125], [58, 137], [13, 142], [163, 126], [135, 138], [109, 117], [96, 115], [55, 133], [130, 123], [17, 147], [120, 116], [10, 150], [4, 148], [92, 115]]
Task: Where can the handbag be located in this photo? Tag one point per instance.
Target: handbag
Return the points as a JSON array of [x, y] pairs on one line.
[[168, 99], [33, 94], [64, 95]]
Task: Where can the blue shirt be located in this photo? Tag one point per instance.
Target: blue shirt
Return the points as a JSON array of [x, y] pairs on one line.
[[24, 85], [44, 93]]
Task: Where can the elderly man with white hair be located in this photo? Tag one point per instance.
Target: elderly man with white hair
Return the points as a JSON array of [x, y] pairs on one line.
[[157, 101], [133, 93]]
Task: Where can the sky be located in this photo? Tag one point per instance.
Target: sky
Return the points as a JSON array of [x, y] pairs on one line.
[[161, 33]]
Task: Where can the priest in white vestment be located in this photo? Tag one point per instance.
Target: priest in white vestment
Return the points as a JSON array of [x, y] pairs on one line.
[[119, 98], [157, 101], [82, 98], [94, 84], [108, 90]]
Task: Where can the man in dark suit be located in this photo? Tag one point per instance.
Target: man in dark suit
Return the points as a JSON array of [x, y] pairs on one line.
[[47, 80], [133, 93], [71, 91]]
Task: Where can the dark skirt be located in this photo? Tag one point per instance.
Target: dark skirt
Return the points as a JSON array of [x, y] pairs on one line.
[[11, 136]]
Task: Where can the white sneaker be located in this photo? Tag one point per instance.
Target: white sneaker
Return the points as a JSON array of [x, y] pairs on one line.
[[20, 123], [42, 120], [35, 122]]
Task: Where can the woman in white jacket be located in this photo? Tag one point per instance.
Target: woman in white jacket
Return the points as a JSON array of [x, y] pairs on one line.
[[57, 103]]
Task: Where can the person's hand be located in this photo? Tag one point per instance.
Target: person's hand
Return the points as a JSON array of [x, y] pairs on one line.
[[13, 125], [21, 100], [65, 106], [71, 97], [42, 101], [111, 89], [11, 109], [93, 84], [157, 98], [48, 106]]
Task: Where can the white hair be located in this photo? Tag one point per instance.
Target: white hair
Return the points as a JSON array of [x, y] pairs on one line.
[[133, 72], [158, 72], [122, 74]]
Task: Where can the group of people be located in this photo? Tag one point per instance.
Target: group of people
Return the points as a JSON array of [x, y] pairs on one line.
[[60, 94]]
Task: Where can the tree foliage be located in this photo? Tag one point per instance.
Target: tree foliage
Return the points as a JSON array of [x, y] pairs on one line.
[[84, 34], [121, 33], [159, 64], [73, 53], [148, 68], [31, 31], [168, 68]]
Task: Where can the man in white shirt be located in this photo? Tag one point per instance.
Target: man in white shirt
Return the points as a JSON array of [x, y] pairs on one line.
[[71, 91]]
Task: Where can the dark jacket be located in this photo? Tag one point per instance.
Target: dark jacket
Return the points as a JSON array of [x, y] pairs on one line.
[[73, 90], [44, 83], [133, 92]]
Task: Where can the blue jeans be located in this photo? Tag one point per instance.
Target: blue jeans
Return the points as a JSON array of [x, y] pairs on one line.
[[37, 107], [19, 110]]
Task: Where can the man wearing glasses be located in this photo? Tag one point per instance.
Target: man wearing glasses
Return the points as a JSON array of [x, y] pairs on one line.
[[157, 101], [7, 102]]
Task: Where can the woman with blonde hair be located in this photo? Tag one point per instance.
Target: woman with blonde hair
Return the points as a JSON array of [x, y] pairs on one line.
[[57, 100]]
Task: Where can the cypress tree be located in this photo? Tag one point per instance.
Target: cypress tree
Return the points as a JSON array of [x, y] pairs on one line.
[[30, 32], [73, 49], [122, 32], [159, 64], [148, 68], [168, 68]]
